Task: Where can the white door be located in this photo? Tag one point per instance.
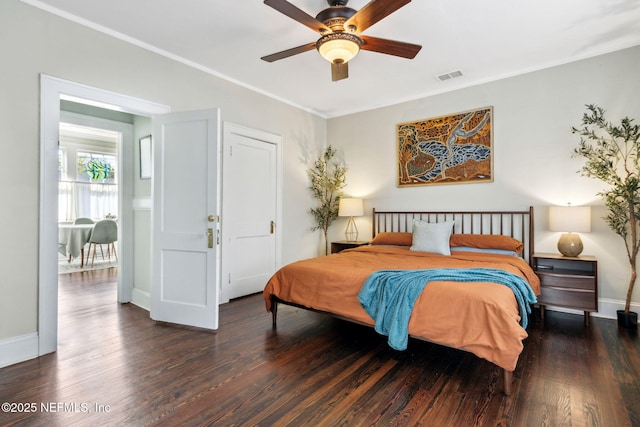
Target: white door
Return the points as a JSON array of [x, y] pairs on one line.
[[184, 279], [249, 211]]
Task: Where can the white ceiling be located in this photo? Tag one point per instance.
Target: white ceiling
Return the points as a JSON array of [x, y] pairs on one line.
[[486, 40]]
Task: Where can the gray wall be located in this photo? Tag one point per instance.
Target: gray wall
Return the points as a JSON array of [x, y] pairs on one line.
[[533, 164], [33, 42], [532, 115]]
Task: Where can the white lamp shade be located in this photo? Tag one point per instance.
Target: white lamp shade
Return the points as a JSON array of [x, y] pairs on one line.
[[570, 219], [340, 47], [350, 207]]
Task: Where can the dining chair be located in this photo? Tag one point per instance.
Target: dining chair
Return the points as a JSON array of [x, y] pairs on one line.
[[105, 232]]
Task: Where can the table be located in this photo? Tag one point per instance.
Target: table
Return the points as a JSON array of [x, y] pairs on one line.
[[570, 282], [72, 238]]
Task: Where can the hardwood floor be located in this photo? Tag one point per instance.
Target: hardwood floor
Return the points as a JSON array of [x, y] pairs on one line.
[[115, 366]]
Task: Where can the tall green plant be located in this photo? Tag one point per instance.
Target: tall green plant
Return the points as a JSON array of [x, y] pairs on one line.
[[612, 154], [328, 178]]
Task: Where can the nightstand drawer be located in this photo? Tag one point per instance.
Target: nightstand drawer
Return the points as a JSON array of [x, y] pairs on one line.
[[586, 300], [570, 282]]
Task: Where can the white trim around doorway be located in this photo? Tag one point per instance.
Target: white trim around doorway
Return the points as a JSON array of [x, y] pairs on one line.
[[52, 90]]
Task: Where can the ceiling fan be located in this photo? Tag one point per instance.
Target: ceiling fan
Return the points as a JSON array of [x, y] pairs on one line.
[[340, 27]]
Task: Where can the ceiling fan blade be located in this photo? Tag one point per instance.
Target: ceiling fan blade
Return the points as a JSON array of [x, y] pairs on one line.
[[289, 52], [390, 47], [286, 8], [373, 12], [339, 71]]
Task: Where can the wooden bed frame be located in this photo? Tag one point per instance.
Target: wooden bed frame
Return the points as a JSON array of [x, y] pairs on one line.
[[516, 224]]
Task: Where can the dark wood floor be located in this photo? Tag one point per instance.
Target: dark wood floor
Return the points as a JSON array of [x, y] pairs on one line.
[[114, 366]]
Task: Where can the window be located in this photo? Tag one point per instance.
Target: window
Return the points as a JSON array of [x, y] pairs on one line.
[[62, 170], [87, 173], [96, 167]]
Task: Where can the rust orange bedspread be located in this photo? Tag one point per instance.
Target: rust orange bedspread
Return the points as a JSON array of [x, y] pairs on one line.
[[480, 317]]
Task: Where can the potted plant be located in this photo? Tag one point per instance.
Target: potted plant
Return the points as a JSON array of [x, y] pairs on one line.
[[327, 181], [612, 154]]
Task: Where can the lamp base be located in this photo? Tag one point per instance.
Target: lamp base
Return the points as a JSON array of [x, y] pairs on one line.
[[570, 244], [351, 233]]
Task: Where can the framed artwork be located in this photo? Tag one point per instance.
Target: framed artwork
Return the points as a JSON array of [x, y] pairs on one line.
[[452, 149], [145, 157]]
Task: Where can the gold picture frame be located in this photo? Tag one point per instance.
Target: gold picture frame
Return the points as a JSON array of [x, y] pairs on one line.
[[452, 149]]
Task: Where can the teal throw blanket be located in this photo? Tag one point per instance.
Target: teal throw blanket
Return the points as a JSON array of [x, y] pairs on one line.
[[389, 295]]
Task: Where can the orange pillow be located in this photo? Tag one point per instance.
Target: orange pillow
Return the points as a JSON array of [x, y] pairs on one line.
[[393, 238], [487, 241]]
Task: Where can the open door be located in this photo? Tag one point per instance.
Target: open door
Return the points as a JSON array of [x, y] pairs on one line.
[[185, 246]]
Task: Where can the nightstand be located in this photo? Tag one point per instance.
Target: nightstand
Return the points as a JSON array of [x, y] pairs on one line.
[[569, 282], [341, 245]]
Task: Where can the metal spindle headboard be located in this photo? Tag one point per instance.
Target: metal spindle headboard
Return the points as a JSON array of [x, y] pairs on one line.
[[516, 224]]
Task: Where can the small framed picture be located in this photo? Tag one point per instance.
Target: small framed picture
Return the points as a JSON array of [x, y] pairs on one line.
[[145, 157]]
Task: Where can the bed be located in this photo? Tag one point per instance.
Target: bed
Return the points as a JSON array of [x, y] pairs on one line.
[[485, 317]]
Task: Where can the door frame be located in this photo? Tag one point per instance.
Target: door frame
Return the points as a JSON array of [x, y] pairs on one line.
[[52, 90], [230, 129]]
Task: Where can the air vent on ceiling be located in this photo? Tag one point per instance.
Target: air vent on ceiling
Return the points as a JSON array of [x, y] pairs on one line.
[[451, 75]]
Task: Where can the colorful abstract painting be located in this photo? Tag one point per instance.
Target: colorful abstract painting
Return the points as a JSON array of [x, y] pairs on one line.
[[452, 149]]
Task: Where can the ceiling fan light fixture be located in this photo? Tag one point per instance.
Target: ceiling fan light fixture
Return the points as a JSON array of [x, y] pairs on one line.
[[339, 47]]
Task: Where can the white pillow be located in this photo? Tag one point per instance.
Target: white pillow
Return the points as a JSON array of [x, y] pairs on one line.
[[432, 237]]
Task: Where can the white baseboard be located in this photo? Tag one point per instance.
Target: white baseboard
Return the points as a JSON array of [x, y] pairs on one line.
[[141, 298], [606, 308], [18, 349]]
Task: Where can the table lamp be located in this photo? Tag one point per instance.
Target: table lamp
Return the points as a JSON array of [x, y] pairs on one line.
[[351, 207], [570, 220]]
